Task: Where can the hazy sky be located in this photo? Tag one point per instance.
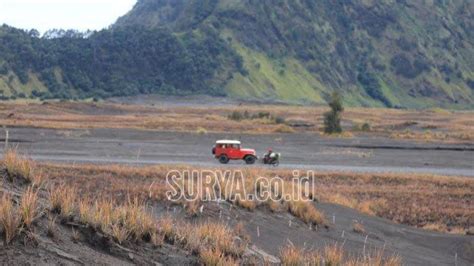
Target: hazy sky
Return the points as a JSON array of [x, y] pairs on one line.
[[63, 14]]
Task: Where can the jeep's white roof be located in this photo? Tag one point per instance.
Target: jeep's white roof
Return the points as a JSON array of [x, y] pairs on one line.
[[226, 141]]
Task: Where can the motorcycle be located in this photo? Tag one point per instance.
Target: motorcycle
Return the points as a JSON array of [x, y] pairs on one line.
[[272, 159]]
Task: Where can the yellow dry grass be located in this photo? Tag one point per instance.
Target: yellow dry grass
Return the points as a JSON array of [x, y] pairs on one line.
[[29, 206], [10, 218], [413, 199], [62, 200], [334, 255], [18, 166], [432, 125]]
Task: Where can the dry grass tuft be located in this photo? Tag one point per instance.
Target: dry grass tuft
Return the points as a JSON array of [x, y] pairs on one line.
[[62, 200], [358, 227], [214, 257], [157, 239], [284, 129], [18, 166], [218, 236], [51, 229], [274, 205], [239, 230], [246, 204], [306, 212], [166, 227], [75, 236], [10, 219], [292, 256], [192, 207], [29, 206], [119, 232], [333, 254], [201, 131]]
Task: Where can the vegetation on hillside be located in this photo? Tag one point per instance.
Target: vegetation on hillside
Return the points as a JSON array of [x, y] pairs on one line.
[[125, 61], [375, 53]]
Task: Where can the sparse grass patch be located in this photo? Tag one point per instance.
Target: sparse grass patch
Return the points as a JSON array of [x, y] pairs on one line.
[[306, 212], [166, 227], [62, 200], [157, 239], [219, 237], [69, 115], [10, 218], [214, 257], [18, 166], [29, 206], [192, 207], [291, 256], [119, 232], [201, 131], [358, 227], [52, 228], [246, 204], [334, 255], [284, 129]]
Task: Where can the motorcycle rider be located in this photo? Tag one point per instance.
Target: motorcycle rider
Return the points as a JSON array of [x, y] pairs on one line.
[[270, 155]]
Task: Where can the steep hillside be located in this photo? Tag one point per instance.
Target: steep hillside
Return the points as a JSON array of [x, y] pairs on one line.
[[393, 53], [377, 53]]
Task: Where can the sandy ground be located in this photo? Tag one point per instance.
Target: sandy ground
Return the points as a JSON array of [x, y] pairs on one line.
[[299, 151], [271, 232]]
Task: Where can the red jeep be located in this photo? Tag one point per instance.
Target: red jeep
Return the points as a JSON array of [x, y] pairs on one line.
[[226, 150]]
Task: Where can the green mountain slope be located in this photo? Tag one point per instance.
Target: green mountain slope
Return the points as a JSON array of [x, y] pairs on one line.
[[377, 53]]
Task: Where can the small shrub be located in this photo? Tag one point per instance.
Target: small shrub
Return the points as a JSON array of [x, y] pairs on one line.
[[236, 116], [332, 119], [365, 127], [279, 120]]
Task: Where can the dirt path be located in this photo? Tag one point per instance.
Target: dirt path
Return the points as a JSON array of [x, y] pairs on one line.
[[305, 151]]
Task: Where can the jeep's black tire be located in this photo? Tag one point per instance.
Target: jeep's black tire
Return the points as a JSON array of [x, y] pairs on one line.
[[223, 159], [250, 159]]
